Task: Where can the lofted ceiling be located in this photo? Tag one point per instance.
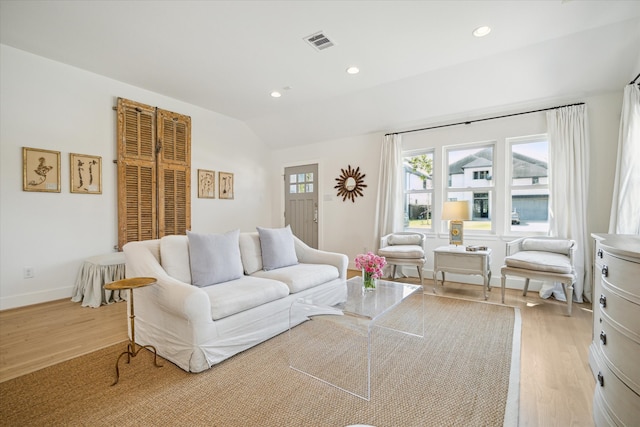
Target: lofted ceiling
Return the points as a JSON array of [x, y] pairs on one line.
[[419, 62]]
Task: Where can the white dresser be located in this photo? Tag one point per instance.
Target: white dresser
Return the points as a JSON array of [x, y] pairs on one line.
[[614, 354]]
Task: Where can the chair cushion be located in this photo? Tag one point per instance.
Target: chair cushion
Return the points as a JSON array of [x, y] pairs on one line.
[[402, 251], [404, 239], [540, 261], [559, 246]]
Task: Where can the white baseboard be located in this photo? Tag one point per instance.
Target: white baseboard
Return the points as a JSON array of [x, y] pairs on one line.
[[35, 298]]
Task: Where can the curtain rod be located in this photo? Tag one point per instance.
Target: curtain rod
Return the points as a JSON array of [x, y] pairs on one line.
[[635, 80], [482, 120]]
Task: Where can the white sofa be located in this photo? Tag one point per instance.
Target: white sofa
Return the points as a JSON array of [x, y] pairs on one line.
[[197, 327]]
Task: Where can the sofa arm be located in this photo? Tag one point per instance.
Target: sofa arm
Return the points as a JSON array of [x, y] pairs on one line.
[[309, 255], [168, 294]]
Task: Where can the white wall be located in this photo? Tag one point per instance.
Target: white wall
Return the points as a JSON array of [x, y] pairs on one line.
[[49, 105], [345, 227], [349, 227]]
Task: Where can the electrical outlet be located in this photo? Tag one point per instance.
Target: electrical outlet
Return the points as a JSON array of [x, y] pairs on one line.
[[28, 272]]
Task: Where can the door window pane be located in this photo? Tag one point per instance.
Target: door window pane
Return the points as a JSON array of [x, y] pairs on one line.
[[292, 178], [293, 189]]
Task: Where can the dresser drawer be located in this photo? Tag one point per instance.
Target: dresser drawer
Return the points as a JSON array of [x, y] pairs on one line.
[[622, 354], [601, 418], [618, 310], [622, 275], [618, 400]]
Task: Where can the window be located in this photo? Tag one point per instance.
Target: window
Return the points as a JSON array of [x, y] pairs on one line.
[[529, 184], [418, 190], [301, 183], [469, 177]]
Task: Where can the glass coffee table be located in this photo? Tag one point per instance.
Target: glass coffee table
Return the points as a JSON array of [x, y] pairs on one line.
[[332, 342]]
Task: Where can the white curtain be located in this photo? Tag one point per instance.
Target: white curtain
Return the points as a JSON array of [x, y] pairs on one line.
[[568, 130], [625, 206], [389, 216]]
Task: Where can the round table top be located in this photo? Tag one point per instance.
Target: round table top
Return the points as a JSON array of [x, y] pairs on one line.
[[132, 283]]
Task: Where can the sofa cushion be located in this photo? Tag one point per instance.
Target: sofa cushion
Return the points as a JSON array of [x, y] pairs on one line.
[[402, 251], [243, 294], [278, 248], [301, 276], [174, 257], [540, 261], [404, 239], [560, 246], [215, 258], [250, 252]]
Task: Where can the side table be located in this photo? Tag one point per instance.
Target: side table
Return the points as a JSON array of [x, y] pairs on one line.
[[453, 259], [94, 273], [132, 351]]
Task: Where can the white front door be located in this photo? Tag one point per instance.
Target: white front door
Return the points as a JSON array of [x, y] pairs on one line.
[[301, 202]]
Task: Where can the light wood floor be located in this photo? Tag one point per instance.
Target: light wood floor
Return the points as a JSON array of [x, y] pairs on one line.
[[556, 385]]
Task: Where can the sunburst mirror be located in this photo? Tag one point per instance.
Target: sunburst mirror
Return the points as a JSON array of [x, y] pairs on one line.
[[350, 184]]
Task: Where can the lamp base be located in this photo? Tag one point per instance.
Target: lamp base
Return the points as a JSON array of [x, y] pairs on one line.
[[456, 229]]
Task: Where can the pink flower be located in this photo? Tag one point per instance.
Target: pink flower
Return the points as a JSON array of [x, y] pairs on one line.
[[371, 263]]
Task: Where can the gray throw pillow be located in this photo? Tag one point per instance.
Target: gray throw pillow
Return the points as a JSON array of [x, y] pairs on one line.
[[278, 248], [214, 258]]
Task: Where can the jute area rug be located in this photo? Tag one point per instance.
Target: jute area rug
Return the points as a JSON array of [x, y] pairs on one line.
[[464, 372]]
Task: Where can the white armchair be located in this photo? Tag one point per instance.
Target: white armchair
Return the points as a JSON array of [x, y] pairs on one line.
[[541, 258], [404, 248]]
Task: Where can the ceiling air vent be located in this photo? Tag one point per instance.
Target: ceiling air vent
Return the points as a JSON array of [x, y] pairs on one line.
[[319, 41]]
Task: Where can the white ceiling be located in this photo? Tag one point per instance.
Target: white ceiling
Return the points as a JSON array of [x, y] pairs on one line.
[[419, 62]]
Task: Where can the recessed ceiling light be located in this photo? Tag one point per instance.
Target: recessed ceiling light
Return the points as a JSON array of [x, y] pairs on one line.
[[276, 94], [481, 31], [353, 70]]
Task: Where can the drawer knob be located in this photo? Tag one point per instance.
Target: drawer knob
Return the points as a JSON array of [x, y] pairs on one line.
[[600, 379], [600, 253], [603, 338], [603, 301], [605, 271]]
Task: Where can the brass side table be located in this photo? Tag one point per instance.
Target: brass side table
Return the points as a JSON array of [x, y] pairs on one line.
[[132, 351]]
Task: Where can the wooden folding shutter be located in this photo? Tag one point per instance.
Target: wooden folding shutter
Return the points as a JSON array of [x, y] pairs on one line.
[[137, 197], [174, 173]]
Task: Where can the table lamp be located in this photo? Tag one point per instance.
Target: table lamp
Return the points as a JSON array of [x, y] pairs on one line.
[[456, 213]]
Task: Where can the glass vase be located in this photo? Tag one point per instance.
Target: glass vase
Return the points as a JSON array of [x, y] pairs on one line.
[[368, 281]]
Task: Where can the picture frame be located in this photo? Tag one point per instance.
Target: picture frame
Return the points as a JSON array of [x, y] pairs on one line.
[[206, 184], [456, 229], [86, 173], [40, 170], [225, 185]]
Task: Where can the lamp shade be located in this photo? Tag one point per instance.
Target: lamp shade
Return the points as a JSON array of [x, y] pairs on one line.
[[456, 211]]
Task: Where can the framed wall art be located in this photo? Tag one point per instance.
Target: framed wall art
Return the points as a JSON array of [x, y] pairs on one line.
[[86, 173], [206, 184], [225, 183], [40, 170]]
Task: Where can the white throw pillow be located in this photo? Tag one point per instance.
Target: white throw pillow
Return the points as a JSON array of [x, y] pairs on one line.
[[404, 239], [174, 257], [250, 252], [215, 258], [558, 246], [278, 248]]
